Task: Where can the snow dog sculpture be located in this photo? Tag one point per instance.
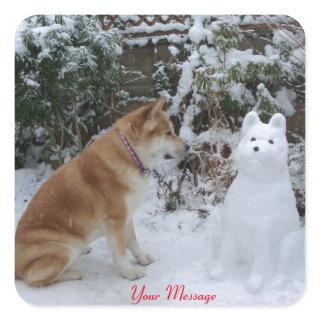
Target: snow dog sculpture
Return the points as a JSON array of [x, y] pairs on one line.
[[259, 219]]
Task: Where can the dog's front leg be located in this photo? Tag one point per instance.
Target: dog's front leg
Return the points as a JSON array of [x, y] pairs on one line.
[[227, 257], [115, 234], [132, 244], [262, 261]]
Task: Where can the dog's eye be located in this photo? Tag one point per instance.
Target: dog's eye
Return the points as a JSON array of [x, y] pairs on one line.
[[271, 141], [253, 139], [168, 133]]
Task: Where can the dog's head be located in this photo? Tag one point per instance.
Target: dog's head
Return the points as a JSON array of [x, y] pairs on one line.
[[153, 134], [263, 150]]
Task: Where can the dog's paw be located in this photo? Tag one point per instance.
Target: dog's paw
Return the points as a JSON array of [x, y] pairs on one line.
[[132, 273], [254, 283], [280, 282], [145, 259], [78, 275], [217, 273], [86, 250], [70, 275]]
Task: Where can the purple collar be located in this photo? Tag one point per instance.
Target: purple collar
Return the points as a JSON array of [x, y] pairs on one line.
[[126, 143]]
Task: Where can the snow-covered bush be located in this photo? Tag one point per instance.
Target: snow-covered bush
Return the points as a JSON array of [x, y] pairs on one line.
[[219, 82], [241, 79], [67, 72], [297, 170]]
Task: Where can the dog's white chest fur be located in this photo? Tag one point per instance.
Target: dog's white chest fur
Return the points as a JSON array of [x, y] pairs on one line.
[[138, 186]]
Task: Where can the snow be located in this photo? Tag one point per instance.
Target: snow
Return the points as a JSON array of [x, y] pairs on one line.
[[145, 28], [31, 82], [19, 45], [240, 93], [244, 57], [248, 20], [142, 41], [298, 56], [284, 36], [264, 92], [180, 242], [186, 81], [197, 32], [40, 33], [186, 133], [209, 55], [45, 53], [173, 50], [39, 131], [27, 182], [285, 97], [127, 18]]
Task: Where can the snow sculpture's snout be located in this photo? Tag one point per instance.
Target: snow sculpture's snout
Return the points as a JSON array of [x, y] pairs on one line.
[[263, 148]]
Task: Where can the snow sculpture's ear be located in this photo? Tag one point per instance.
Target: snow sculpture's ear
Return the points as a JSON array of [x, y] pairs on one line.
[[278, 121], [249, 120]]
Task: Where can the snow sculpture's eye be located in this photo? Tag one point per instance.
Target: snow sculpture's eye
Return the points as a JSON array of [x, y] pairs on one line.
[[253, 139], [271, 141]]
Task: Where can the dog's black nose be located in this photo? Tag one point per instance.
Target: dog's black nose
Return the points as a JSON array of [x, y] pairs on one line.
[[256, 149], [187, 147]]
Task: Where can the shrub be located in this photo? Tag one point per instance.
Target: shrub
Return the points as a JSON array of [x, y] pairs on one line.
[[67, 72], [219, 83]]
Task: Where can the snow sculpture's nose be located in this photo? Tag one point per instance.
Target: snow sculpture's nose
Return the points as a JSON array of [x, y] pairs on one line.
[[256, 149]]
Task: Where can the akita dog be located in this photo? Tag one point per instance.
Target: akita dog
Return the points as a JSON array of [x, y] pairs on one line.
[[95, 195]]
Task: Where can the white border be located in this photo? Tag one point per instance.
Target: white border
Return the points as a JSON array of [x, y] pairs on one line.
[[13, 12]]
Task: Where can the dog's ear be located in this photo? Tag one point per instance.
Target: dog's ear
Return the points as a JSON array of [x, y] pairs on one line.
[[150, 113], [146, 112], [278, 121], [153, 110], [249, 120], [159, 104]]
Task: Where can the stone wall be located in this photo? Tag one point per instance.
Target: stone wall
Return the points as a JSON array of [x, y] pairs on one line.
[[143, 59]]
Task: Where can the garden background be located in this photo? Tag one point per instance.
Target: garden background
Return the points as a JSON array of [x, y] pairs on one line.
[[76, 75]]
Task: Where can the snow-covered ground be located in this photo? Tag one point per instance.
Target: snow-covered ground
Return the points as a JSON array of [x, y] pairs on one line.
[[181, 242]]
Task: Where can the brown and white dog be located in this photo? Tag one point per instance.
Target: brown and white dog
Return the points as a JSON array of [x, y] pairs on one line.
[[92, 196]]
